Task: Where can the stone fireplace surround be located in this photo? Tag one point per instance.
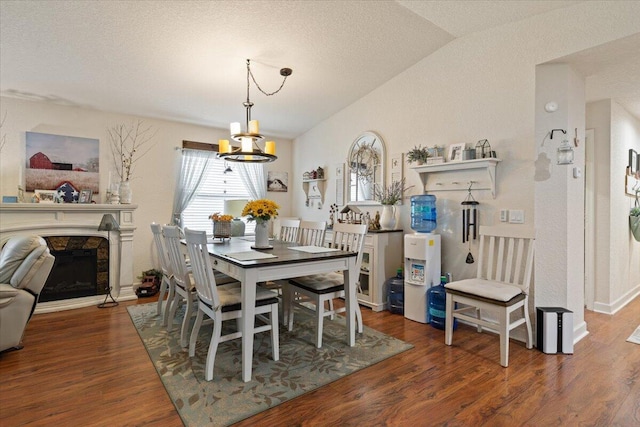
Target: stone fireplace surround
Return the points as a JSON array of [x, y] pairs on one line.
[[74, 219]]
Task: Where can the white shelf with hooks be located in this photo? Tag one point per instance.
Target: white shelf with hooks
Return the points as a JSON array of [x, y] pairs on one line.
[[479, 174], [314, 188]]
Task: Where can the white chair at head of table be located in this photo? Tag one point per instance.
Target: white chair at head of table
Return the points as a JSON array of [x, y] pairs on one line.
[[223, 302], [505, 268], [319, 288]]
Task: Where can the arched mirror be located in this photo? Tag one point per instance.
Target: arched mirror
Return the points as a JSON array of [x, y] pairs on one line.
[[365, 163]]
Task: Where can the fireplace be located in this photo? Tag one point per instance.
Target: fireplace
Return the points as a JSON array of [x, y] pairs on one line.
[[81, 267], [71, 227]]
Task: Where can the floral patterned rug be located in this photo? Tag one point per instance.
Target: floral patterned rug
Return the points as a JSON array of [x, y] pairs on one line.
[[227, 399]]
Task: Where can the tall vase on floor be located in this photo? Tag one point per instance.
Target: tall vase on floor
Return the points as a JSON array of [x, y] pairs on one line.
[[262, 234], [125, 192], [388, 217]]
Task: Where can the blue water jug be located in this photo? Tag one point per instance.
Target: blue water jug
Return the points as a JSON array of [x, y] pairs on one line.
[[436, 305], [423, 213], [395, 293]]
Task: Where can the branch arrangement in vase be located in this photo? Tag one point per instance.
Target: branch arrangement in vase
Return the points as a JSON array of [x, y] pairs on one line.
[[392, 194], [129, 143]]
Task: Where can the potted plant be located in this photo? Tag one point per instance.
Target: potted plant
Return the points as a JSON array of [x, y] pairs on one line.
[[418, 154]]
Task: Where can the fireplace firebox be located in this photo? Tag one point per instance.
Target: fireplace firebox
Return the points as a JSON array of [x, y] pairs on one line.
[[81, 268]]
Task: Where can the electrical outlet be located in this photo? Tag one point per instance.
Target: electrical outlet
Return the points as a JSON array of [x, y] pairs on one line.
[[516, 216], [504, 215]]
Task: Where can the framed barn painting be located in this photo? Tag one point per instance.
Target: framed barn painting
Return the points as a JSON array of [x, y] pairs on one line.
[[277, 181], [56, 160]]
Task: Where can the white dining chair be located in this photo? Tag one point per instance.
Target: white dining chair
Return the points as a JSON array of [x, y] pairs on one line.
[[184, 289], [501, 286], [312, 233], [167, 285], [288, 230], [223, 302], [319, 288]]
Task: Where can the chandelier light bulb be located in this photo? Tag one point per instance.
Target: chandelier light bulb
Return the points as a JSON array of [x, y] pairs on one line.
[[270, 147], [254, 127]]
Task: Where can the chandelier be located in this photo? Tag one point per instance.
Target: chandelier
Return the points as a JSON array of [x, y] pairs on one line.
[[249, 151]]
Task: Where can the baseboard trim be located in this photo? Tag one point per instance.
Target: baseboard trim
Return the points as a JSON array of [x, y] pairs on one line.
[[617, 305]]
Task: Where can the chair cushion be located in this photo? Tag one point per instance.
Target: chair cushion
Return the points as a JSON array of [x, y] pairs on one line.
[[231, 297], [222, 279], [488, 289], [15, 251], [320, 283]]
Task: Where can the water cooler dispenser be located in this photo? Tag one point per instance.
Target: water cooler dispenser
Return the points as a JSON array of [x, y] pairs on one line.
[[421, 257]]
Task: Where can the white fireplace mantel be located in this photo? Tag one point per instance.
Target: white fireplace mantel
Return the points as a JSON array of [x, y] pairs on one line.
[[73, 219]]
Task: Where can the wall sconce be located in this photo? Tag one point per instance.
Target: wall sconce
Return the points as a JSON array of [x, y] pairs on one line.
[[565, 152]]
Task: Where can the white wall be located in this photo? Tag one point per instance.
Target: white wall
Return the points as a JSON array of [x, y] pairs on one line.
[[617, 252], [559, 192], [155, 175], [479, 86]]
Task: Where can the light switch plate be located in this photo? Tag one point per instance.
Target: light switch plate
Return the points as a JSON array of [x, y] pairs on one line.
[[516, 216], [504, 215]]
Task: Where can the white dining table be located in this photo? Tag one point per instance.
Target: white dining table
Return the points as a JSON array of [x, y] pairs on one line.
[[283, 261]]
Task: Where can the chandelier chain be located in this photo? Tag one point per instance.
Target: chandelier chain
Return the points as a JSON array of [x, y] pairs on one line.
[[258, 86]]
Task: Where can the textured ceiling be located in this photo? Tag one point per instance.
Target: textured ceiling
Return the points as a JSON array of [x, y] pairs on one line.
[[186, 60]]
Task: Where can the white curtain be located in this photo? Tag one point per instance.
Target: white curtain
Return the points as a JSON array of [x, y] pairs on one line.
[[254, 178], [192, 169]]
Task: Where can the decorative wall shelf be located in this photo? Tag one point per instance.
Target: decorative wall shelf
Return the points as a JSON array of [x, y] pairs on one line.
[[479, 173], [314, 188]]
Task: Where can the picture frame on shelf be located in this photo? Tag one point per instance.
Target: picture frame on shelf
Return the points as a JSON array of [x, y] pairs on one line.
[[455, 152], [46, 196], [85, 196]]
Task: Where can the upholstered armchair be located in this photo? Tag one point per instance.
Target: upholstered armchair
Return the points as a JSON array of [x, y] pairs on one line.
[[25, 264]]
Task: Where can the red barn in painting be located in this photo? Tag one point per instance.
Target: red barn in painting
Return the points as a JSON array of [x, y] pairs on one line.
[[40, 161]]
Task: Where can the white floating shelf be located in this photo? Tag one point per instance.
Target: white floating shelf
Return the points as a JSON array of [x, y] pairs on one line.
[[483, 175]]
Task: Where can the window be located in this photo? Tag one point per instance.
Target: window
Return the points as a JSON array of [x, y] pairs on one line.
[[218, 186]]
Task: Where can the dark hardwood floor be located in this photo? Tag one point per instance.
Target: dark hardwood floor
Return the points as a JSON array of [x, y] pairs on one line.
[[87, 367]]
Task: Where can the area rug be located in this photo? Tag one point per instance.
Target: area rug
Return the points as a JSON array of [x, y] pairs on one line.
[[635, 336], [226, 400]]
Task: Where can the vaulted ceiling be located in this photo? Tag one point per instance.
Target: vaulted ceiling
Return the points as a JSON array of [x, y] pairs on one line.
[[185, 61]]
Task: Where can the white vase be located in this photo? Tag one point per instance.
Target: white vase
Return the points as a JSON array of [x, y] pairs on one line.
[[125, 192], [388, 217], [262, 234]]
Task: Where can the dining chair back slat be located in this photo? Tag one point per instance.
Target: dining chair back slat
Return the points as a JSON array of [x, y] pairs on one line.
[[312, 233], [349, 237], [201, 269], [289, 230]]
